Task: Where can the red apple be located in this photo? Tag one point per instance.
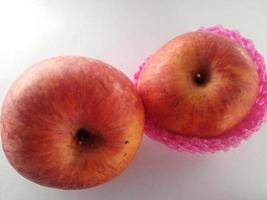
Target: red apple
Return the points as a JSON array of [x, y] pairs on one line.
[[71, 123], [198, 84]]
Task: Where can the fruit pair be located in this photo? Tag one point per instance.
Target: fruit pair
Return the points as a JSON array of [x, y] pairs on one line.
[[75, 122]]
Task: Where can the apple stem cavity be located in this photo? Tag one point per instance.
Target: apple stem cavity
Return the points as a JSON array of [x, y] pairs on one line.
[[201, 78], [87, 139]]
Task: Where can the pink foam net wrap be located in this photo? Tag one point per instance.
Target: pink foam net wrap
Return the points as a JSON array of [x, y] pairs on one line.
[[250, 124]]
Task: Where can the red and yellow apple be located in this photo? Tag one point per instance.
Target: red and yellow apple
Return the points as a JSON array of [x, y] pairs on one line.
[[198, 84], [71, 122]]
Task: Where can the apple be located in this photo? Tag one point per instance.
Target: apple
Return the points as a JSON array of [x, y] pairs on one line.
[[199, 84], [71, 122]]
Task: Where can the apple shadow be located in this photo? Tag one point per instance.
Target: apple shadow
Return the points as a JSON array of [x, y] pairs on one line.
[[241, 197], [152, 169]]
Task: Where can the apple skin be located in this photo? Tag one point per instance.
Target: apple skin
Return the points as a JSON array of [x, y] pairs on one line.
[[71, 122], [198, 84]]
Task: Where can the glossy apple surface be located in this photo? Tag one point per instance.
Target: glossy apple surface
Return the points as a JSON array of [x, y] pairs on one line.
[[71, 122], [198, 84]]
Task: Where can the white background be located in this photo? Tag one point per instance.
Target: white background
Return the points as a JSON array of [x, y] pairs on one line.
[[123, 33]]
